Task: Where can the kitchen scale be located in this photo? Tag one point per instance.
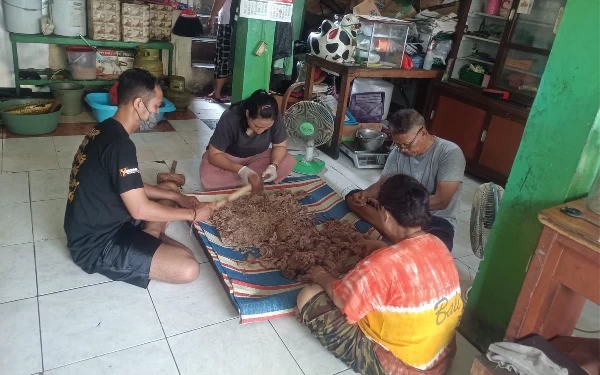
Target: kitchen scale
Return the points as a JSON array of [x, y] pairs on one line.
[[366, 159]]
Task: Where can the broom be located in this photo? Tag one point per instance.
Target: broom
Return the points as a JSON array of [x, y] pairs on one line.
[[188, 24]]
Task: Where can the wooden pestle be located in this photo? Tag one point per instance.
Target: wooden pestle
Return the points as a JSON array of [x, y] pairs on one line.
[[177, 178], [235, 195]]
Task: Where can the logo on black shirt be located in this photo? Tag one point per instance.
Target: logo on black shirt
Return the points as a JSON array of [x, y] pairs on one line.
[[126, 171], [77, 161]]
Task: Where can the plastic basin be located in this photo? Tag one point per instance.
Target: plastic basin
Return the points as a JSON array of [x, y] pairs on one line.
[[29, 124], [102, 109]]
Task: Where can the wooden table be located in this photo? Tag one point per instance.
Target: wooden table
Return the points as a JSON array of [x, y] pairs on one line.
[[347, 74], [563, 272]]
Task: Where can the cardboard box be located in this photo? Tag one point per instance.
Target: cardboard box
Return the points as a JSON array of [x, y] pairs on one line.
[[115, 62], [443, 9], [349, 131], [366, 8], [161, 19], [135, 18], [104, 19]]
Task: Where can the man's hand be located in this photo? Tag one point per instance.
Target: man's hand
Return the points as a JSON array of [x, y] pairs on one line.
[[205, 210], [359, 198], [187, 201]]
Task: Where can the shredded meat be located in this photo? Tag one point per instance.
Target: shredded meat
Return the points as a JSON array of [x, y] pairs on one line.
[[288, 237]]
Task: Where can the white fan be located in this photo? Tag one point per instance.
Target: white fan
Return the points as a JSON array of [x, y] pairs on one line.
[[311, 125], [486, 201]]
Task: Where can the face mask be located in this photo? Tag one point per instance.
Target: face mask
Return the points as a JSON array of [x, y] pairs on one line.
[[151, 122]]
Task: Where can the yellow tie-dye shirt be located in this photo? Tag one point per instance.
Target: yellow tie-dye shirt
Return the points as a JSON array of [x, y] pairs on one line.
[[406, 297]]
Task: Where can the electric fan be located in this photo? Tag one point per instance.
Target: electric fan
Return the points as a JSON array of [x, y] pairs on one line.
[[311, 125], [486, 201], [483, 214]]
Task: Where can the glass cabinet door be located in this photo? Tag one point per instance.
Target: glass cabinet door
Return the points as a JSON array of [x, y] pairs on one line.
[[529, 46], [537, 23]]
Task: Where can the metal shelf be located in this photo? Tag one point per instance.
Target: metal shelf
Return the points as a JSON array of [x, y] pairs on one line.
[[482, 39], [76, 41], [43, 82], [481, 14], [523, 71], [478, 60]]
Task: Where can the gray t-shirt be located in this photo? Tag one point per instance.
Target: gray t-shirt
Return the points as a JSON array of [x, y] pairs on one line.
[[444, 161], [230, 135]]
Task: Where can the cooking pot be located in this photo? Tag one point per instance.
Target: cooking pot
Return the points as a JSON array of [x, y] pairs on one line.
[[370, 139]]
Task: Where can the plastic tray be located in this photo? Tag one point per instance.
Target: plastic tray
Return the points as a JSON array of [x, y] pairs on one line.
[[102, 109]]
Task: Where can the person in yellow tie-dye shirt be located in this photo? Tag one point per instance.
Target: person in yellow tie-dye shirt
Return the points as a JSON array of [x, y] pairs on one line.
[[396, 312]]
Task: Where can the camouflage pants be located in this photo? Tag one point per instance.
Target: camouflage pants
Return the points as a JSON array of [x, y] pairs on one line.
[[346, 341]]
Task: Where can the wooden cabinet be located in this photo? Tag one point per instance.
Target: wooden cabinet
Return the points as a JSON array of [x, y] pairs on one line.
[[500, 145], [488, 131], [459, 123]]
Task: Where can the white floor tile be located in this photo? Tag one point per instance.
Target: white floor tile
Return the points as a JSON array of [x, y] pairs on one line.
[[308, 352], [188, 125], [17, 272], [203, 105], [589, 321], [346, 372], [65, 160], [231, 348], [56, 270], [69, 144], [150, 169], [14, 188], [29, 162], [169, 146], [209, 114], [149, 359], [180, 231], [465, 354], [168, 139], [15, 224], [193, 189], [35, 145], [20, 343], [188, 167], [198, 140], [144, 153], [51, 184], [48, 218], [86, 322], [190, 306], [464, 273], [472, 262], [137, 139]]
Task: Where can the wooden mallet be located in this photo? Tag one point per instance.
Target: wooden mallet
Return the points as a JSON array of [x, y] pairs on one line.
[[176, 178]]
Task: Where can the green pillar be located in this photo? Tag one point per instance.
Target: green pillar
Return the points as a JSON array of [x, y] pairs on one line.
[[251, 72], [557, 161]]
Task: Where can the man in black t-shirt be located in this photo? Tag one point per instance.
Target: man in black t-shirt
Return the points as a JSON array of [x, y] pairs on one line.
[[114, 222]]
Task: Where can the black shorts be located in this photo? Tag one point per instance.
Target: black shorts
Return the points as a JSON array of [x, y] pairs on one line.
[[439, 227], [128, 255]]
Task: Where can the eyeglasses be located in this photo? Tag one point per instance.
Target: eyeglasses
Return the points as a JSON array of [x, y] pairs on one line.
[[406, 147]]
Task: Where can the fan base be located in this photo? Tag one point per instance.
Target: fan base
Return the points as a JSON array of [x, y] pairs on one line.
[[308, 167]]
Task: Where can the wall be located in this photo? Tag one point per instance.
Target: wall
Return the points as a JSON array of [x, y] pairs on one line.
[[30, 55]]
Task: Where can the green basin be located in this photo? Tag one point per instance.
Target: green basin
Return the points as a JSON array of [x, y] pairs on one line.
[[29, 124]]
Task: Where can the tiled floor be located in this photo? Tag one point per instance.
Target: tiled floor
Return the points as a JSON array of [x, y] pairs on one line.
[[57, 319]]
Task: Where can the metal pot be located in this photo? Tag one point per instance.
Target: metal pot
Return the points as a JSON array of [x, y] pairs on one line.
[[370, 139]]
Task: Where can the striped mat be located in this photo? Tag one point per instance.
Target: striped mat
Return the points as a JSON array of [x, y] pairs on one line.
[[261, 293]]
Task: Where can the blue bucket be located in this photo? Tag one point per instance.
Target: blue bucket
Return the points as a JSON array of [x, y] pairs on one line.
[[102, 109]]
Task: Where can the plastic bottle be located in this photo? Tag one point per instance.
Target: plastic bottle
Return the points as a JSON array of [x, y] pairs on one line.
[[428, 63]]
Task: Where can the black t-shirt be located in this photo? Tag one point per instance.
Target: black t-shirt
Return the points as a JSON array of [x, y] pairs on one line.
[[104, 167], [230, 135]]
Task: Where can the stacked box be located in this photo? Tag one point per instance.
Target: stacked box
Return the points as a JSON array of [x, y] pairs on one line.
[[161, 19], [104, 19], [114, 62], [135, 18]]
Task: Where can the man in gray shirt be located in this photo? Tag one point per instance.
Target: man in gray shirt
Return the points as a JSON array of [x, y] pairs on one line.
[[438, 164]]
